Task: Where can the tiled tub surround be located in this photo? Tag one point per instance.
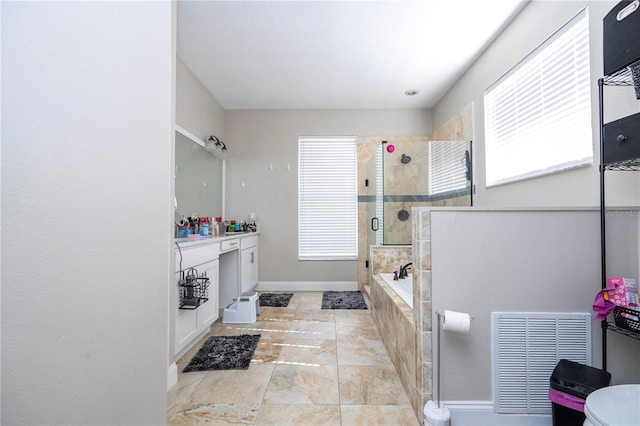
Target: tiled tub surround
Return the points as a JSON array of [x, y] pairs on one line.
[[403, 287], [403, 330], [422, 312]]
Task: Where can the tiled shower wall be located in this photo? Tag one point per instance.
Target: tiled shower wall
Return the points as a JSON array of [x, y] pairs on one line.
[[457, 128], [367, 146]]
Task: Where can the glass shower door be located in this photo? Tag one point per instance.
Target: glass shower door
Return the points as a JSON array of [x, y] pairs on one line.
[[419, 173]]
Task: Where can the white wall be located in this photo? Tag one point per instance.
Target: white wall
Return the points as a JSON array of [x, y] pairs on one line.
[[522, 261], [260, 138], [579, 187], [86, 221]]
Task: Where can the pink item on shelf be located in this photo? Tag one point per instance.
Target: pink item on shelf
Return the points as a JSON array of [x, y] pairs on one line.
[[566, 400], [601, 305], [623, 292]]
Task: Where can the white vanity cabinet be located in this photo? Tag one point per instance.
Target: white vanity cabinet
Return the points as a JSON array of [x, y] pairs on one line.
[[191, 323], [208, 311], [248, 263], [230, 263]]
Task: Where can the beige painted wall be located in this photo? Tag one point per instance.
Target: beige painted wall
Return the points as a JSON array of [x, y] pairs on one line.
[[196, 109], [200, 114], [578, 187], [258, 139], [491, 260]]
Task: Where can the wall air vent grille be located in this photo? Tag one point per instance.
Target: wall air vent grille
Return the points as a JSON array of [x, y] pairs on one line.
[[526, 349]]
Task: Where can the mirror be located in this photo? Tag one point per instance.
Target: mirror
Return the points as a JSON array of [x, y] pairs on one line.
[[199, 178]]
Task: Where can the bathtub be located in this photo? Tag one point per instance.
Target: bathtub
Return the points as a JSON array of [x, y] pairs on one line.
[[404, 287]]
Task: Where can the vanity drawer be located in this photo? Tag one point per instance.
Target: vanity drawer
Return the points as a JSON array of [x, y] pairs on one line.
[[622, 139], [248, 242], [227, 245], [195, 256]]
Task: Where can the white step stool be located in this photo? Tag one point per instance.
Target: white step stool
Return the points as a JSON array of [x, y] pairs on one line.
[[243, 310]]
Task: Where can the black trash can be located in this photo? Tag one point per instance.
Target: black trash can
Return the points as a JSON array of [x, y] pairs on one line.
[[570, 384]]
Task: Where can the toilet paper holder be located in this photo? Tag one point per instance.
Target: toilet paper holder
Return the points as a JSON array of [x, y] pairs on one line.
[[441, 320]]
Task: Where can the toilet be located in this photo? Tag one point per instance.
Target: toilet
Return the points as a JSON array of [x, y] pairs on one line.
[[613, 406]]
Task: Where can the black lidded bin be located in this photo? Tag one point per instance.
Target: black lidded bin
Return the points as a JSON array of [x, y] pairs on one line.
[[574, 381]]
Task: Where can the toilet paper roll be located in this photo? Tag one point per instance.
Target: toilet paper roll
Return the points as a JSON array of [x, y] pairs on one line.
[[458, 322]]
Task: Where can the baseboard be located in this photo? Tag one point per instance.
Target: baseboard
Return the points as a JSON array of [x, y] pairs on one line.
[[307, 286], [172, 376], [481, 413]]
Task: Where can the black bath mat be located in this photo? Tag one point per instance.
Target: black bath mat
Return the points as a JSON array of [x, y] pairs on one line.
[[276, 300], [343, 300], [224, 353]]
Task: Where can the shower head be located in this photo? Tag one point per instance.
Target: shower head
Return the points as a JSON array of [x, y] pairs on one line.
[[405, 159]]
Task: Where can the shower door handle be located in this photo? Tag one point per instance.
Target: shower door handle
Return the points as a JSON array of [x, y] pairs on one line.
[[374, 220]]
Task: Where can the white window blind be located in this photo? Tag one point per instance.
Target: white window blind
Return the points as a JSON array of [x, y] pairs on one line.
[[327, 198], [538, 116], [447, 167]]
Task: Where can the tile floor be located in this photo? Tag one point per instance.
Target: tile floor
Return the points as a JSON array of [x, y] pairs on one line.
[[312, 366]]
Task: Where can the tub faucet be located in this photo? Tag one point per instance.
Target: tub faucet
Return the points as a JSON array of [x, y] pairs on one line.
[[403, 270]]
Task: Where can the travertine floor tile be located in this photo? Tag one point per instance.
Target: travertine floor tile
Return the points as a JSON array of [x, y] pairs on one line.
[[313, 367], [309, 351], [220, 329], [303, 384], [312, 330], [298, 414], [361, 351], [316, 315], [269, 329], [268, 312], [268, 351], [354, 330], [309, 300], [370, 385], [353, 315], [180, 393], [392, 415], [217, 414], [231, 387]]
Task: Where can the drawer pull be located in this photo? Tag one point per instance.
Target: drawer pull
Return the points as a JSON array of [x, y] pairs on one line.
[[622, 138]]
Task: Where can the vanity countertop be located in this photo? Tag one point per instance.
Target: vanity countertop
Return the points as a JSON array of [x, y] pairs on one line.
[[199, 240]]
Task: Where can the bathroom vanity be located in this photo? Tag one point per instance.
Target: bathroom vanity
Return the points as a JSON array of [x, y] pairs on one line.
[[230, 263]]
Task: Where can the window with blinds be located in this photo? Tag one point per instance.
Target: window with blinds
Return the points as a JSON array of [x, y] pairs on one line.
[[447, 167], [327, 198], [538, 116]]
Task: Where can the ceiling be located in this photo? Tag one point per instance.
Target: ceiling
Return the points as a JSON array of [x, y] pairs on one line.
[[335, 54]]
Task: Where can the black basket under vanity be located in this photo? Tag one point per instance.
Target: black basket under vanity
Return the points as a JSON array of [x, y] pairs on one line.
[[194, 289]]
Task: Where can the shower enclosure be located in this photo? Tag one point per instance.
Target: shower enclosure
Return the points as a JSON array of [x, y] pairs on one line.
[[411, 174]]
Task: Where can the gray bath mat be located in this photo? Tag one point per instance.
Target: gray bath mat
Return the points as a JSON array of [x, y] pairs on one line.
[[343, 300], [224, 353], [276, 300]]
